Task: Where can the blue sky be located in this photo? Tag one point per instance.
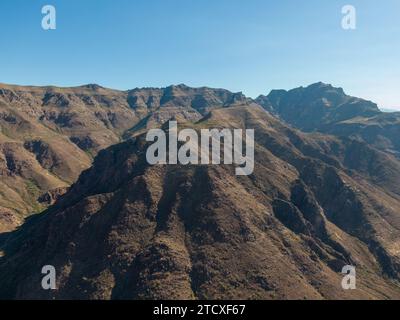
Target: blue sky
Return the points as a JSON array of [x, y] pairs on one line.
[[251, 46]]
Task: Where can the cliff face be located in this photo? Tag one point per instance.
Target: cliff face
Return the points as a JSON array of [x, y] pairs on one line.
[[128, 230]]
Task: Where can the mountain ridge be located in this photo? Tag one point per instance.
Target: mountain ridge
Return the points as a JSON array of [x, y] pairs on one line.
[[49, 135], [43, 126], [115, 227], [324, 108], [127, 230]]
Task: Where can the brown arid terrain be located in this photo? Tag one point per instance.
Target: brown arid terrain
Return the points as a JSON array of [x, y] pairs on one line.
[[316, 201], [50, 135]]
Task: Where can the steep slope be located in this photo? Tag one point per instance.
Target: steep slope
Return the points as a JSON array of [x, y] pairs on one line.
[[127, 230], [49, 135], [321, 107]]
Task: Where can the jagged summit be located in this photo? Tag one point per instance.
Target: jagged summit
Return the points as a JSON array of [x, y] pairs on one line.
[[323, 86], [322, 107]]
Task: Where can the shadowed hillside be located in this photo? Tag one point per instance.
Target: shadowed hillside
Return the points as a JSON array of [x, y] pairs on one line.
[[127, 230], [49, 135]]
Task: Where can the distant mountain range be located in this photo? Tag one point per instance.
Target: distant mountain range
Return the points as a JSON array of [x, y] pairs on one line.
[[325, 193], [389, 110], [321, 107]]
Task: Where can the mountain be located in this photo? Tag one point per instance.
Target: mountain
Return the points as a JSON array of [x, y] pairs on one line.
[[128, 230], [322, 107], [49, 135]]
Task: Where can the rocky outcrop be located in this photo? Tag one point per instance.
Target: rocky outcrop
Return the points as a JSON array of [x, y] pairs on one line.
[[51, 196]]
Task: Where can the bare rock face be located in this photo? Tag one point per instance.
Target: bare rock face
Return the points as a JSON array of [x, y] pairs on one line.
[[51, 196], [128, 230], [8, 220]]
